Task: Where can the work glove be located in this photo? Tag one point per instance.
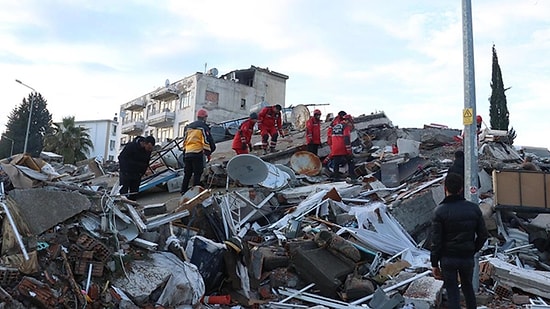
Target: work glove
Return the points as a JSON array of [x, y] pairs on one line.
[[243, 146], [281, 134], [250, 147]]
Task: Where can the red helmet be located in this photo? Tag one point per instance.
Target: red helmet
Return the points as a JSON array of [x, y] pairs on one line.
[[202, 113], [317, 112], [479, 119]]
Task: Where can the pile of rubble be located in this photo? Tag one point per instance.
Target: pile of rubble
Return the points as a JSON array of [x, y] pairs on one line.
[[298, 241]]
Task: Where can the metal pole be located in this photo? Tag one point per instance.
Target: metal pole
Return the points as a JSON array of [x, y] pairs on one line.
[[12, 141], [470, 128], [30, 115]]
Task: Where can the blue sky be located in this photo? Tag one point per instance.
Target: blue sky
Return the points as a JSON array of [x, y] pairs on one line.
[[402, 57]]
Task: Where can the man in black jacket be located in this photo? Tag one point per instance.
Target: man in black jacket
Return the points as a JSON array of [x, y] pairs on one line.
[[458, 232], [133, 161]]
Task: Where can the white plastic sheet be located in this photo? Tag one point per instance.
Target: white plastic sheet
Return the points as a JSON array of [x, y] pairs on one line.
[[379, 230]]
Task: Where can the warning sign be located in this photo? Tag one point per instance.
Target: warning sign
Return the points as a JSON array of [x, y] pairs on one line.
[[468, 116]]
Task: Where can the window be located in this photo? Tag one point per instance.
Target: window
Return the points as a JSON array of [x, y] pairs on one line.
[[111, 158], [212, 97], [114, 130], [165, 134], [181, 128], [243, 104], [185, 100], [111, 145]]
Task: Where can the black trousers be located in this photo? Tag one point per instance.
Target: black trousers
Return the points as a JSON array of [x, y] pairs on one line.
[[130, 185], [313, 148], [451, 267], [194, 165], [340, 161]]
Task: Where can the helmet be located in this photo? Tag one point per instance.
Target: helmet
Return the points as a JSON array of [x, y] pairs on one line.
[[342, 113], [278, 107], [253, 116], [317, 112], [202, 113], [479, 119]]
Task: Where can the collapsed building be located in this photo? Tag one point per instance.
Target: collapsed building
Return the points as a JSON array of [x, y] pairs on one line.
[[269, 230]]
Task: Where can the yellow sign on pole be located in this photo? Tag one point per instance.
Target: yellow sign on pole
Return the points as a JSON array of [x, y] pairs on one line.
[[468, 116]]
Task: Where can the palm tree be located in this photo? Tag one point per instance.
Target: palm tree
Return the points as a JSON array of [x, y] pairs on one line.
[[70, 141]]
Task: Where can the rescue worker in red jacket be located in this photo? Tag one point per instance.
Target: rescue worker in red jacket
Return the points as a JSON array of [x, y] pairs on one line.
[[270, 125], [313, 132], [241, 141], [340, 151], [338, 119]]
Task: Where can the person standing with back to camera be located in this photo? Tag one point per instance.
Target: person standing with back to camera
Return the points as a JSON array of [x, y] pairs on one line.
[[313, 132], [270, 125], [133, 161], [458, 232], [197, 143]]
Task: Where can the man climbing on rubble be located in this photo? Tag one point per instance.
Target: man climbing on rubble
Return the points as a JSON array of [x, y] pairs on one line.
[[133, 161], [270, 125], [198, 143], [242, 140], [458, 232], [340, 151], [313, 132]]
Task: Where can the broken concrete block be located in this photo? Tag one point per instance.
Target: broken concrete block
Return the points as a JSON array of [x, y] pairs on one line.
[[183, 284], [424, 293], [520, 299], [323, 268], [42, 209]]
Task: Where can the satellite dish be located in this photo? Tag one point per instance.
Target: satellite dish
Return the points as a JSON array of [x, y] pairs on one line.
[[305, 163], [276, 178], [247, 169], [167, 82], [287, 170], [213, 72], [299, 116]]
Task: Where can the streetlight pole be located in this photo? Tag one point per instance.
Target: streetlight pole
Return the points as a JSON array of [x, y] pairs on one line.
[[30, 115], [11, 151]]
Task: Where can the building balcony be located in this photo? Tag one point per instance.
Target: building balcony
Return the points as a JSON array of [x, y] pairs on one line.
[[135, 105], [165, 94], [162, 119], [133, 128]]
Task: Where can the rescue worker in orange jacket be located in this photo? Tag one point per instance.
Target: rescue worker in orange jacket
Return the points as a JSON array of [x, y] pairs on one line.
[[198, 143], [340, 151], [313, 132], [241, 141], [270, 125]]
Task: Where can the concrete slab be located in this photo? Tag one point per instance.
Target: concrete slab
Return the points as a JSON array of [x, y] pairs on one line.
[[42, 209], [424, 293]]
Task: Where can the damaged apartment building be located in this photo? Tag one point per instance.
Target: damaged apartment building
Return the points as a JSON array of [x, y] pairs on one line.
[[164, 113]]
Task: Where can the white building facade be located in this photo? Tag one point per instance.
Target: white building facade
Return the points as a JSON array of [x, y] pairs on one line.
[[165, 112], [103, 134]]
